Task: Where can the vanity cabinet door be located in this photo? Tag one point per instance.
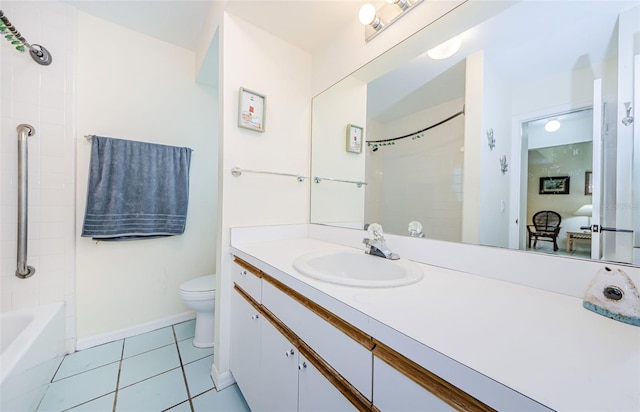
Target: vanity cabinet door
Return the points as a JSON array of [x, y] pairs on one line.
[[351, 359], [393, 391], [316, 393], [245, 347], [278, 372]]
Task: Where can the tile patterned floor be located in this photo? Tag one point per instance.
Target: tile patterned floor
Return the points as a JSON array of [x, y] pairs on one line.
[[157, 371]]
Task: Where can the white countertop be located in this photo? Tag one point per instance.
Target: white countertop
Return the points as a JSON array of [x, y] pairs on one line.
[[542, 344]]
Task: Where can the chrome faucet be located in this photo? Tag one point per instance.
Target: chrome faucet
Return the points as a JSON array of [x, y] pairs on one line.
[[415, 229], [377, 246]]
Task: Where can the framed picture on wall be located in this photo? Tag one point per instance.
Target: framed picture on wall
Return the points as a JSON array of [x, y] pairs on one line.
[[251, 113], [556, 185], [588, 184], [355, 134]]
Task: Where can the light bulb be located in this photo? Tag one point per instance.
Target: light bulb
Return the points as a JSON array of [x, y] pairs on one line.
[[367, 14], [446, 49], [552, 126]]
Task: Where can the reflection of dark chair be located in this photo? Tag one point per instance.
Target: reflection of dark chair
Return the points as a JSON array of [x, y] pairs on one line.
[[546, 226]]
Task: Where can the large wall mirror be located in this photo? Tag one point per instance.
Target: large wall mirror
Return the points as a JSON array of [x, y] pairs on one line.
[[532, 113]]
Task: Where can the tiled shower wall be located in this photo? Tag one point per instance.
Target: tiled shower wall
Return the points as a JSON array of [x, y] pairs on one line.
[[43, 97]]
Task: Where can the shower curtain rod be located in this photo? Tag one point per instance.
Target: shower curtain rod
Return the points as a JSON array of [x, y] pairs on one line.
[[38, 53], [417, 134]]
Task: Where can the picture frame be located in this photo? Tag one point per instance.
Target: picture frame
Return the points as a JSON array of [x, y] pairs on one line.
[[355, 136], [588, 183], [252, 110], [555, 185]]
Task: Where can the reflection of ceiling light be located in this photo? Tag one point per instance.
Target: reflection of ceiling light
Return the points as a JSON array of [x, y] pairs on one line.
[[552, 126], [446, 49]]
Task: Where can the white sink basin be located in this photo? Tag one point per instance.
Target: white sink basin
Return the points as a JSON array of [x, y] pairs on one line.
[[357, 269]]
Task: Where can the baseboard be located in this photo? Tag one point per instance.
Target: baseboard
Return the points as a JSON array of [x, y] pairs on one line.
[[221, 380], [92, 341]]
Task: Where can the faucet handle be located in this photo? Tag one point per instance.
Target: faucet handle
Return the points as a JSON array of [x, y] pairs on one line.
[[375, 231]]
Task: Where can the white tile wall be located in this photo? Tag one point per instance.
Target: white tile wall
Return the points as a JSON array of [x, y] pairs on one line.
[[42, 96]]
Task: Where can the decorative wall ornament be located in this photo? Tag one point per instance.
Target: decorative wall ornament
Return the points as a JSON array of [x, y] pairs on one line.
[[355, 134], [554, 185], [491, 139], [251, 113], [504, 166]]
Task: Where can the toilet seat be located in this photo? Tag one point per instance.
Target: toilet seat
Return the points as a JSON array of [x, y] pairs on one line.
[[203, 284]]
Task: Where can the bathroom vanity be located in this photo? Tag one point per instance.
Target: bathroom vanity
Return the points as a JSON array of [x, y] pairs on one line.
[[451, 340]]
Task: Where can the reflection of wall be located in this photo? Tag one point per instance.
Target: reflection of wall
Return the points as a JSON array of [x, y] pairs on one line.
[[493, 209], [571, 160], [337, 202], [419, 179]]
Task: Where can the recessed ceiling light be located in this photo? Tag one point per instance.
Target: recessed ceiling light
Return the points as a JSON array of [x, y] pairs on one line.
[[446, 49], [552, 126]]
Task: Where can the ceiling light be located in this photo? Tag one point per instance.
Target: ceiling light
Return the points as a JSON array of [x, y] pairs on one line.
[[552, 126], [367, 16], [446, 49]]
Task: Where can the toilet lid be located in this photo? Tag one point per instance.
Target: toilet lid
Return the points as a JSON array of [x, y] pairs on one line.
[[200, 284]]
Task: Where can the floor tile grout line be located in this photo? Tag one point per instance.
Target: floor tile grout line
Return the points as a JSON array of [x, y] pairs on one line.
[[120, 361], [85, 371], [147, 351], [184, 373], [115, 397], [87, 401]]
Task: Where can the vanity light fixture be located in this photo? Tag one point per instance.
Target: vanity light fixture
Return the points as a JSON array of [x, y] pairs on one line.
[[368, 17], [552, 126], [446, 49], [376, 20], [403, 4]]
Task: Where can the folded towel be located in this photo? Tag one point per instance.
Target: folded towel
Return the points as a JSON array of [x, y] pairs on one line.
[[136, 190]]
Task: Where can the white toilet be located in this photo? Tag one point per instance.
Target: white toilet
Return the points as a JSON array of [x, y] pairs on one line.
[[199, 294]]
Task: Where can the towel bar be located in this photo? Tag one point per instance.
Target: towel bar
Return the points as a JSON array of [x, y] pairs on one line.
[[237, 172]]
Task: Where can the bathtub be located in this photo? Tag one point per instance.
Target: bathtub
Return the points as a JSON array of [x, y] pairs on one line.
[[32, 349]]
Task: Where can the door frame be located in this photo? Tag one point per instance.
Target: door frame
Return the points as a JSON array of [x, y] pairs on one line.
[[520, 162]]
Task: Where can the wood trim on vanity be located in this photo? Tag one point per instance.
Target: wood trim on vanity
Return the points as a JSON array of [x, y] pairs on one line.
[[347, 390], [337, 322], [252, 269], [333, 376], [449, 393]]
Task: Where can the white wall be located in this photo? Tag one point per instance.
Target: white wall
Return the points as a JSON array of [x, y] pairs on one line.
[[41, 96], [256, 60], [135, 87]]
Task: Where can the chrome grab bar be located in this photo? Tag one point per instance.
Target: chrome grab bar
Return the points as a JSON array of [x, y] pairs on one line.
[[23, 271]]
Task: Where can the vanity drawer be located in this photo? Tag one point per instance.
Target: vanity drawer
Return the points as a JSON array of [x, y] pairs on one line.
[[353, 360], [247, 277]]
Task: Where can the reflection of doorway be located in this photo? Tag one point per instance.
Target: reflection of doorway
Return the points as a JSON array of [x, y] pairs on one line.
[[563, 154]]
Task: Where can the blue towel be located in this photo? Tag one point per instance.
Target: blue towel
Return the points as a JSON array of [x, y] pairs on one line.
[[136, 190]]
